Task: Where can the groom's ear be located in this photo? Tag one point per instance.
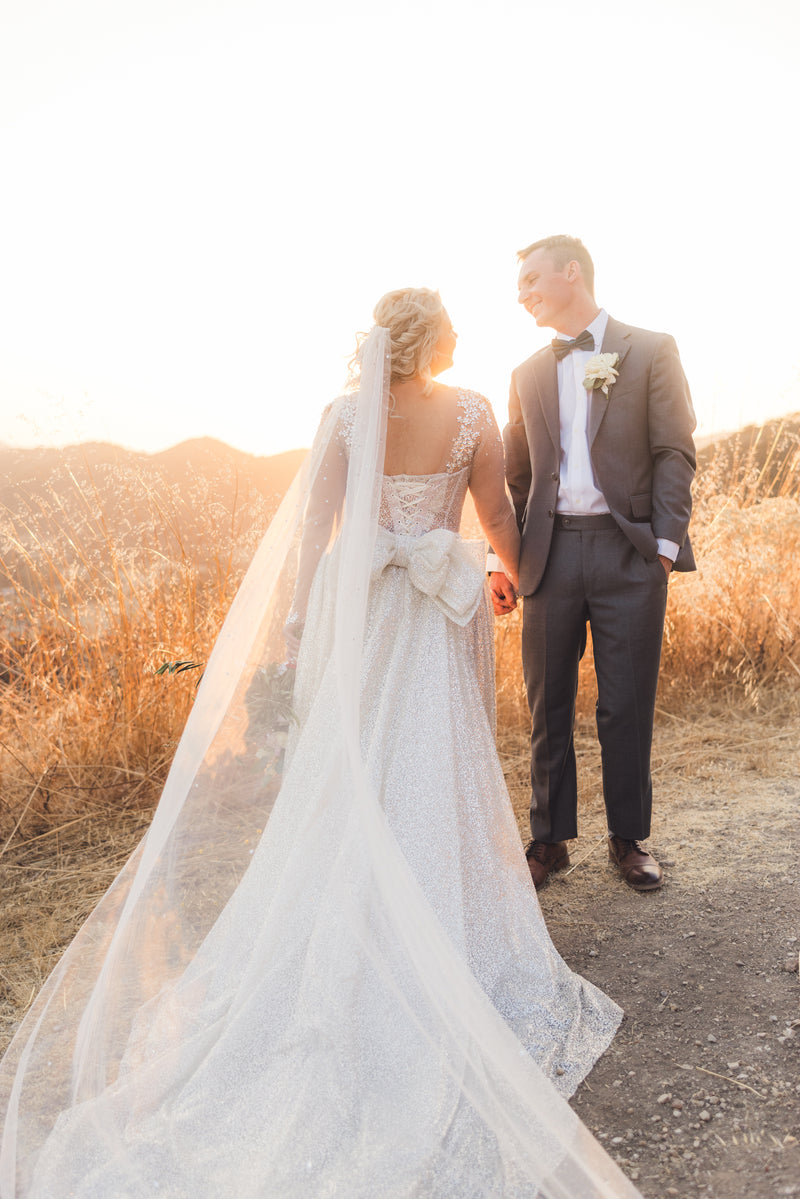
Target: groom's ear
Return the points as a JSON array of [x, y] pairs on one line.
[[574, 274]]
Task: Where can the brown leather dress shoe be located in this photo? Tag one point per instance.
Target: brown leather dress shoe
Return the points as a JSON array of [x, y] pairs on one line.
[[638, 868], [544, 858]]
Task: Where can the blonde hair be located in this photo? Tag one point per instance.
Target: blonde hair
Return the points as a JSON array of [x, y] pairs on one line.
[[563, 249], [413, 316]]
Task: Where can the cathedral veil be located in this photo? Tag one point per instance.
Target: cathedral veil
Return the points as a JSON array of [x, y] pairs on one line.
[[117, 1045]]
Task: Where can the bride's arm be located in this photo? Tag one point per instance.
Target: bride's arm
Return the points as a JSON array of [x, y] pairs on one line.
[[487, 486], [323, 509]]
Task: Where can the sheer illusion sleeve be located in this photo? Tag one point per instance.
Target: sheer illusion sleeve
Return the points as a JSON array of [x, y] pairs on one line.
[[295, 987], [487, 487], [324, 509]]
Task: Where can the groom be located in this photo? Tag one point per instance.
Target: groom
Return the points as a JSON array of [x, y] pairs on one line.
[[599, 462]]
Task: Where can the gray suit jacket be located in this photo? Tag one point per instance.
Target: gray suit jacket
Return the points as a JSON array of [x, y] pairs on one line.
[[640, 438]]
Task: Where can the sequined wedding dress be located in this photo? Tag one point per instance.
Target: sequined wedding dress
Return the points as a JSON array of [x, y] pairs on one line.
[[362, 1001]]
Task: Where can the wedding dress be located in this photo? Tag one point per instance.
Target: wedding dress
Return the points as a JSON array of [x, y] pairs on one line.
[[325, 971]]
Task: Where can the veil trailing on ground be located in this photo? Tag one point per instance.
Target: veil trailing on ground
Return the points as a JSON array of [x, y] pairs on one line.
[[104, 1086]]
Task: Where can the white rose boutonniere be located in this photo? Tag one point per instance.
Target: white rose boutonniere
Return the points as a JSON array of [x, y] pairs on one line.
[[600, 372]]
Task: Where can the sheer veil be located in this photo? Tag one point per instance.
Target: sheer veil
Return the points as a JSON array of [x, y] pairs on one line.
[[131, 1021]]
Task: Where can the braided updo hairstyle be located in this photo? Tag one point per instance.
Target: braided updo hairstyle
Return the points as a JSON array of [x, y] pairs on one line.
[[413, 316]]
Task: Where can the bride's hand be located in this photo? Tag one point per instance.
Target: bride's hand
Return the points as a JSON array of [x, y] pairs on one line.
[[504, 594]]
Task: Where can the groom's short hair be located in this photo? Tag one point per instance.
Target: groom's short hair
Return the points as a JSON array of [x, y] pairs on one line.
[[563, 249]]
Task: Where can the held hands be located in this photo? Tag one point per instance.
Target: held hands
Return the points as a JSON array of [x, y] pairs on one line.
[[504, 594]]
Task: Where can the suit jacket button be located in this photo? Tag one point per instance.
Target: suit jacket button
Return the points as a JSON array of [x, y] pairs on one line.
[[550, 513], [554, 476]]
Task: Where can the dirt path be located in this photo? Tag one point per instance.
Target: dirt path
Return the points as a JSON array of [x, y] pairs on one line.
[[700, 1093]]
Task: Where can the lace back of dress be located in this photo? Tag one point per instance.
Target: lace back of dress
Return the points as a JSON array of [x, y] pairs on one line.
[[125, 1078], [414, 504]]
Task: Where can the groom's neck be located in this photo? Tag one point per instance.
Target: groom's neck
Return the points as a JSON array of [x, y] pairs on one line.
[[577, 317]]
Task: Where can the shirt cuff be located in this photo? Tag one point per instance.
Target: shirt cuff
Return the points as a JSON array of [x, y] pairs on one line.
[[494, 563], [668, 549]]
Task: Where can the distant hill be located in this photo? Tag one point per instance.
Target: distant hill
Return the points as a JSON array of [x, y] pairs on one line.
[[32, 469], [202, 499], [200, 495]]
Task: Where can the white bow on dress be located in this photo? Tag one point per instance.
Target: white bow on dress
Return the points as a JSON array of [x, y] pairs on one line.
[[440, 564]]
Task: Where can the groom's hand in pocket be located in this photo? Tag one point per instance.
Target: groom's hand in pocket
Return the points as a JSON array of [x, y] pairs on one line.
[[504, 596]]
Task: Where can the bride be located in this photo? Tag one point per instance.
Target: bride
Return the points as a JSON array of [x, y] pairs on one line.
[[324, 971]]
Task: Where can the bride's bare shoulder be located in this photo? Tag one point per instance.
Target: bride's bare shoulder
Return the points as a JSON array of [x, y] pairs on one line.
[[462, 396]]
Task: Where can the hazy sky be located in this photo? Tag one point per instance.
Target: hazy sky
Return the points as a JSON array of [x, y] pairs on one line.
[[201, 201]]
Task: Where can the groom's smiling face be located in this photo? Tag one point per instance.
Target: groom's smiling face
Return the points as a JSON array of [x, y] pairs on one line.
[[545, 290]]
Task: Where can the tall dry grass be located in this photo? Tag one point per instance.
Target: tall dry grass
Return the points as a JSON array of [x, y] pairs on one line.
[[103, 587], [733, 626], [102, 584]]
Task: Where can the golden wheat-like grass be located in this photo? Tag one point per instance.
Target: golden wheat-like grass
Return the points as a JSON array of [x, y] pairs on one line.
[[94, 604], [733, 626], [100, 591]]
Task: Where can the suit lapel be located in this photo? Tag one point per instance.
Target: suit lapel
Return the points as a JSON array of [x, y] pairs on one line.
[[545, 378], [615, 341]]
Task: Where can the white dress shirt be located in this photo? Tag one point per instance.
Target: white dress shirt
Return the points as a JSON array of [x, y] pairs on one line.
[[578, 493]]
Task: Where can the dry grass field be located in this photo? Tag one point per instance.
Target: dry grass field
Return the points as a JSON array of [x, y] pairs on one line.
[[706, 968]]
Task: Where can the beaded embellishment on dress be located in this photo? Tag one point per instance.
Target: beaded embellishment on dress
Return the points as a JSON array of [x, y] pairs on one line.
[[471, 422]]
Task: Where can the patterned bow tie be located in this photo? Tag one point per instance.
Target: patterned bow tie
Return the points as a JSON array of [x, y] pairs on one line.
[[584, 341]]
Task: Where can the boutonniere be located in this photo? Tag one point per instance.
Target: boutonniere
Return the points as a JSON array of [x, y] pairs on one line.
[[600, 372]]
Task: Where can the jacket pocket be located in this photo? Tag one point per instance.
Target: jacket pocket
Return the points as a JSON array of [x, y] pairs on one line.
[[641, 505]]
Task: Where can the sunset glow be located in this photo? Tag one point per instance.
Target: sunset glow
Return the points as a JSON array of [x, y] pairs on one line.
[[203, 202]]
